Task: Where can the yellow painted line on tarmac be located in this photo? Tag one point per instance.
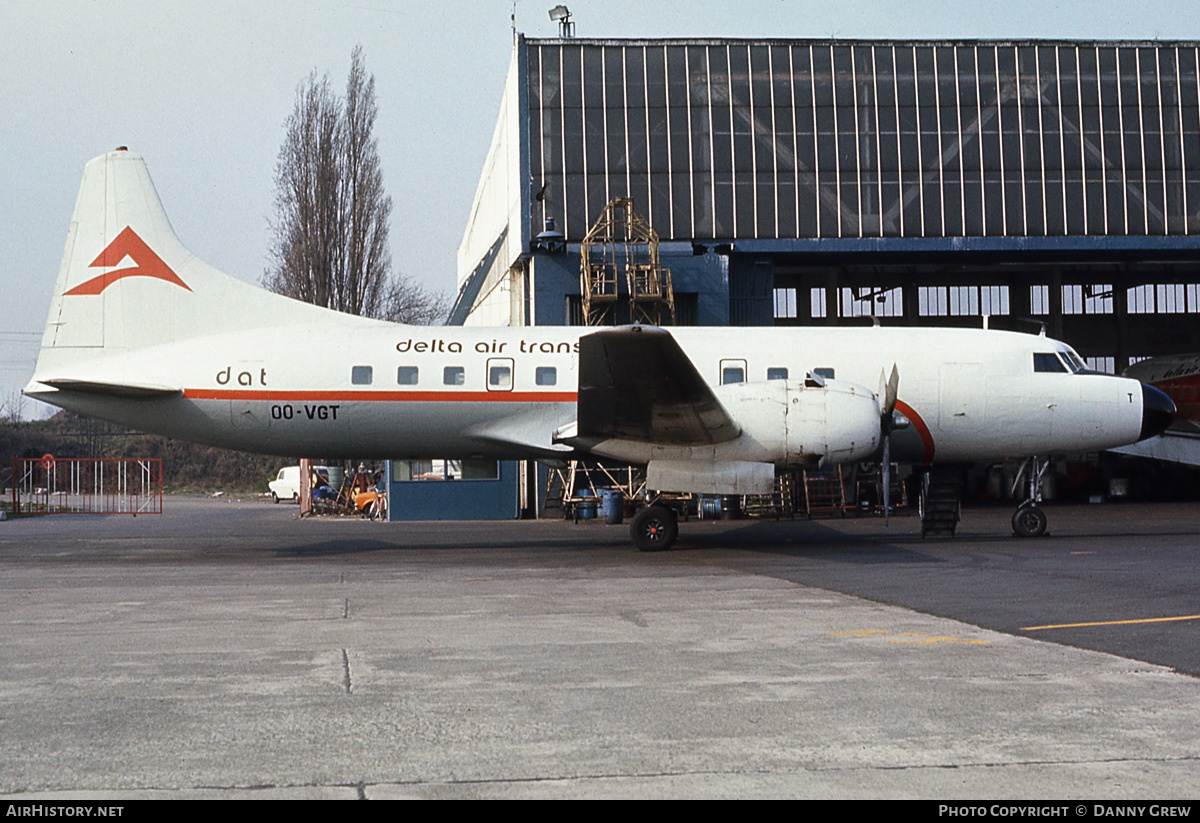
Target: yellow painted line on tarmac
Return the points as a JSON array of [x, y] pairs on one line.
[[861, 633], [1112, 623]]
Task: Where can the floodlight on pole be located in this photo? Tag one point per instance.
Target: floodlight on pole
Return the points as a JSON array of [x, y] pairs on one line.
[[562, 15]]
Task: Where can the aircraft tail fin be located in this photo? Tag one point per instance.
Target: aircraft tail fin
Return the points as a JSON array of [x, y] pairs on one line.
[[127, 283]]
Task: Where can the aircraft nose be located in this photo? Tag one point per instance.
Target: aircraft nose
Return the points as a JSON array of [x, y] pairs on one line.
[[1158, 411]]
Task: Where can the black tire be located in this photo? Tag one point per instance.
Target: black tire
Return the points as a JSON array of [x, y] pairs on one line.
[[654, 529], [296, 497], [1029, 521], [274, 498]]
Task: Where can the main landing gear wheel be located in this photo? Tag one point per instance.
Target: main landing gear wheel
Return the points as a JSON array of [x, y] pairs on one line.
[[654, 529], [1029, 521]]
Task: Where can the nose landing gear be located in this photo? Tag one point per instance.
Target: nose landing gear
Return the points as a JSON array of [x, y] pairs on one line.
[[1029, 520]]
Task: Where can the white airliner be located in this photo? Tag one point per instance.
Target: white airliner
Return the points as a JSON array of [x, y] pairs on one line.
[[144, 334]]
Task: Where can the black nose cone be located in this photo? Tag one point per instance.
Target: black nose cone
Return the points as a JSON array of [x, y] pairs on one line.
[[1158, 411]]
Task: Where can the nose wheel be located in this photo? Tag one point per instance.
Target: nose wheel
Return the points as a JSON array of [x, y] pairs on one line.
[[654, 528], [1029, 520]]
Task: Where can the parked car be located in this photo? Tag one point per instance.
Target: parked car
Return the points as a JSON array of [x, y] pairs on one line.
[[286, 485]]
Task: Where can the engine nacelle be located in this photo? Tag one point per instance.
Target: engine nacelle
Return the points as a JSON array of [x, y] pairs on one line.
[[803, 423]]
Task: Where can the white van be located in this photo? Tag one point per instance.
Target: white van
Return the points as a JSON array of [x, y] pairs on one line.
[[286, 485]]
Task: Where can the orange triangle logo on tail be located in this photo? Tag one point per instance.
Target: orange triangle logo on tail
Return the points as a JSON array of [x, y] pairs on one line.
[[127, 244]]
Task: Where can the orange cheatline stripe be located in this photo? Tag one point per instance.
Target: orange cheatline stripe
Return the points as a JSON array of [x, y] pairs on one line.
[[300, 396], [1113, 623]]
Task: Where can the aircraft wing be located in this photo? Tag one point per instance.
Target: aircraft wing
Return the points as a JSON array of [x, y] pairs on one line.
[[636, 383]]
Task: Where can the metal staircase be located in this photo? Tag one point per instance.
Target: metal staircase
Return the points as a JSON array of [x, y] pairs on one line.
[[940, 503]]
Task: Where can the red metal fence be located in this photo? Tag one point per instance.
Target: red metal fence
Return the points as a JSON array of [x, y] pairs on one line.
[[77, 485]]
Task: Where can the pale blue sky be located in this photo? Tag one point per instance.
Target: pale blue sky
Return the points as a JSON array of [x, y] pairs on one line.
[[201, 90]]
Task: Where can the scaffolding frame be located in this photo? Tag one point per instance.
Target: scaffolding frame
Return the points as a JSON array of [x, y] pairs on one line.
[[621, 237], [563, 485]]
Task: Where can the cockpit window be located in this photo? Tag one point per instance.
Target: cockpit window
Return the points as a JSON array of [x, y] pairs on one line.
[[1047, 362], [1073, 361]]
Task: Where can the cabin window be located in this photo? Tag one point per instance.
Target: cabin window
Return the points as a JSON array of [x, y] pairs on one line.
[[406, 376], [824, 373], [1048, 362], [453, 376], [500, 374], [733, 371], [546, 376], [777, 373], [360, 375]]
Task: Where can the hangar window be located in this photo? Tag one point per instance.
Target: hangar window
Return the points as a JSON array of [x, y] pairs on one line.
[[546, 376], [360, 375], [453, 376], [816, 299], [785, 303], [1193, 297], [932, 301], [1140, 300], [1102, 364], [1039, 299], [1095, 298], [961, 301], [409, 470], [993, 299], [406, 376], [777, 373], [1163, 298], [964, 300], [869, 302]]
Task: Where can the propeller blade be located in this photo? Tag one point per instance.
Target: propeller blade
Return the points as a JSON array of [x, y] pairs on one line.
[[887, 394], [887, 476], [893, 384]]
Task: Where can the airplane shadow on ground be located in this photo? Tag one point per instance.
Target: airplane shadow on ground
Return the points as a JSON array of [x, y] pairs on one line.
[[402, 544], [797, 539], [806, 539]]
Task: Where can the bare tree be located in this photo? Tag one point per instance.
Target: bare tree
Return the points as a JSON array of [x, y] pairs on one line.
[[331, 225], [12, 407]]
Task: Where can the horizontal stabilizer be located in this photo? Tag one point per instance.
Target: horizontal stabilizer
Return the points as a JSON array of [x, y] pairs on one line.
[[636, 383], [130, 390]]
